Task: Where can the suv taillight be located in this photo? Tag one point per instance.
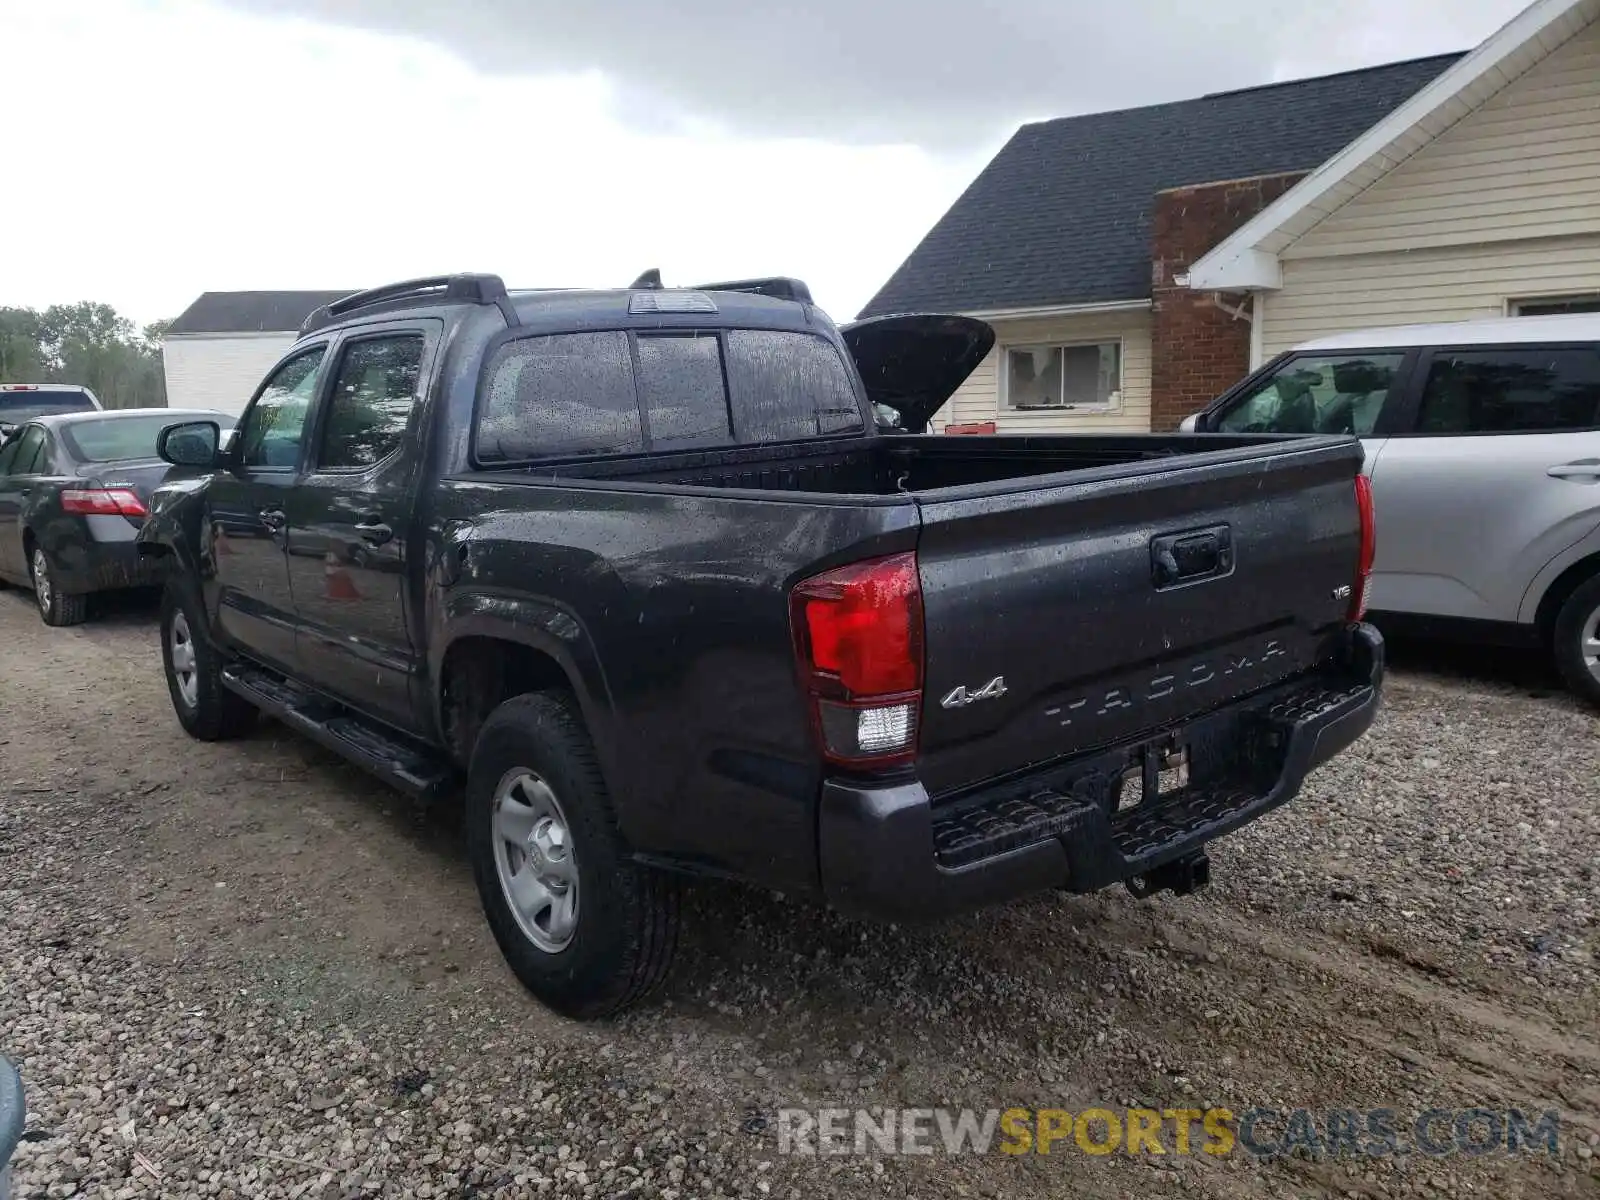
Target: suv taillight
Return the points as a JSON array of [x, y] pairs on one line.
[[1369, 549], [858, 637]]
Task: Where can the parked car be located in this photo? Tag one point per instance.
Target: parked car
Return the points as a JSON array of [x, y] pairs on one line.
[[640, 566], [73, 489], [1482, 442], [21, 402]]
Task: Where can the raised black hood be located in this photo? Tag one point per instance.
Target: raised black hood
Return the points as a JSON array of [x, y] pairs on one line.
[[914, 362]]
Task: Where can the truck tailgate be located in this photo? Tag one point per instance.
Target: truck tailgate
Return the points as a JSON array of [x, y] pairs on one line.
[[1068, 616]]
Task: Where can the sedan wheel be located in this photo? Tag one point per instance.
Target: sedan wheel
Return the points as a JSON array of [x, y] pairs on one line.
[[56, 607], [42, 588]]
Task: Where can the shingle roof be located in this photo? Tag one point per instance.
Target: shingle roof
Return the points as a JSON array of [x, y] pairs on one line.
[[251, 312], [1062, 213]]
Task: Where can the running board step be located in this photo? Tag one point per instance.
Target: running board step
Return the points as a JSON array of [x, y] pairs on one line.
[[403, 764]]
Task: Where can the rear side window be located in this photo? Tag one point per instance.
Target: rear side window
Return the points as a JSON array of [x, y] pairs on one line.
[[618, 393], [29, 452], [373, 396], [787, 385], [1516, 389], [566, 394]]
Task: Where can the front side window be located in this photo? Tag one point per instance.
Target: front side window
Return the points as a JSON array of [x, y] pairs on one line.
[[1070, 377], [1317, 393], [1516, 389], [373, 397], [270, 435]]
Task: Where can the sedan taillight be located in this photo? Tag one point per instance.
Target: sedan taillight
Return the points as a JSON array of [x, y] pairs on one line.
[[103, 502]]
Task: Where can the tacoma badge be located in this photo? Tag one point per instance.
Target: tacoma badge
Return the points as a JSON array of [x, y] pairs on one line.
[[961, 697]]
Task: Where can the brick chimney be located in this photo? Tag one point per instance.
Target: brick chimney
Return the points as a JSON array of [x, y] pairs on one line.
[[1198, 348]]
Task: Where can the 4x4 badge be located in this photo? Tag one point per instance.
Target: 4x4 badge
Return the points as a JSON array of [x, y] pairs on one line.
[[962, 696]]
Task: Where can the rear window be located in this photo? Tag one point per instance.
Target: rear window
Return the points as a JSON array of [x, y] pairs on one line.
[[121, 439], [17, 407], [1515, 389], [577, 394]]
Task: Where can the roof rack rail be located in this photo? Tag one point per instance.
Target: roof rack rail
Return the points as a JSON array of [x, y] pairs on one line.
[[779, 287], [433, 289]]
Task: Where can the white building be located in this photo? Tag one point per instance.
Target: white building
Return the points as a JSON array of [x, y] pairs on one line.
[[220, 348]]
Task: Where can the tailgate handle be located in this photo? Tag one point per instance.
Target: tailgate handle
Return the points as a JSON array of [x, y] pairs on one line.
[[1188, 557]]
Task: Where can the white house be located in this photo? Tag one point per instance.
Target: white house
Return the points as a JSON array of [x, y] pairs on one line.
[[220, 348], [1136, 264], [1477, 197]]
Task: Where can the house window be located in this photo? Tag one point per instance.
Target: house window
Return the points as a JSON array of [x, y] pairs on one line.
[[1064, 376], [1550, 306]]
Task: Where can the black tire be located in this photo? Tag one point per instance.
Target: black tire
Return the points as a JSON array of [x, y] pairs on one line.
[[627, 916], [56, 607], [1577, 623], [216, 714]]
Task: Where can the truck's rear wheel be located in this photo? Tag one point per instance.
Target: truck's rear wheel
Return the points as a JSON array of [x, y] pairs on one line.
[[1576, 640], [584, 930], [205, 708]]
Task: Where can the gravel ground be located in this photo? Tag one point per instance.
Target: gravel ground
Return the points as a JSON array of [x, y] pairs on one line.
[[246, 970]]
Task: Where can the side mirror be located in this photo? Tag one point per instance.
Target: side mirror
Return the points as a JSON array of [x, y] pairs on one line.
[[7, 432], [191, 444], [1190, 424]]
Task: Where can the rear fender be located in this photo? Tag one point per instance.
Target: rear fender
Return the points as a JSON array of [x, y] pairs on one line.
[[541, 626]]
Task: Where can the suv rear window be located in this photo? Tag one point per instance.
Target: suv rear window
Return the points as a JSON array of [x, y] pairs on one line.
[[1514, 389], [577, 394], [17, 407]]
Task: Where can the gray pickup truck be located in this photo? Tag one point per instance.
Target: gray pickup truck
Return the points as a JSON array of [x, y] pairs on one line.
[[641, 567]]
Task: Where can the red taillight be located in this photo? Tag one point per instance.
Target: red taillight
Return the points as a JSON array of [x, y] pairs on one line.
[[103, 502], [1369, 549], [858, 635]]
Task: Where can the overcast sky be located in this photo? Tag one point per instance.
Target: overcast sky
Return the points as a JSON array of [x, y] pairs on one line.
[[161, 148]]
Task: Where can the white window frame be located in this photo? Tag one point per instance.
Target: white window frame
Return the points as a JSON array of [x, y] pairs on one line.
[[1110, 406], [1514, 305]]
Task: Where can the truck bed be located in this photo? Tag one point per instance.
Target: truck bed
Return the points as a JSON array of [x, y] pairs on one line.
[[897, 466]]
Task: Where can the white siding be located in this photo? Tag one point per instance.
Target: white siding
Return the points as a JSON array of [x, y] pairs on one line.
[[1321, 296], [1503, 205], [1524, 165], [979, 398], [219, 372]]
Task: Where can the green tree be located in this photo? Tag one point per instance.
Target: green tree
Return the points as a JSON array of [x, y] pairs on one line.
[[89, 344]]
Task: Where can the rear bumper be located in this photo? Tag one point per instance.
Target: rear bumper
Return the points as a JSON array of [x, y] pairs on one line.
[[106, 566], [887, 852]]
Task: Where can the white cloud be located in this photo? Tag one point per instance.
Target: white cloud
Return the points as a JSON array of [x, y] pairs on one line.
[[168, 147]]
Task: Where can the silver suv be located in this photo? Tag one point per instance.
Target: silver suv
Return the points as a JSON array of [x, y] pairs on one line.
[[1483, 447]]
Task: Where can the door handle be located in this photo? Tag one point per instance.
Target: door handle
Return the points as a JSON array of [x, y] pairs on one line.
[[273, 518], [1582, 469], [375, 532]]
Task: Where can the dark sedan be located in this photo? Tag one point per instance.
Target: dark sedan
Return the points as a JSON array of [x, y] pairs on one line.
[[73, 489]]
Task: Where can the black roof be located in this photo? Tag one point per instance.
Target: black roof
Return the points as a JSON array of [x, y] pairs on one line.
[[251, 312], [1062, 213]]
